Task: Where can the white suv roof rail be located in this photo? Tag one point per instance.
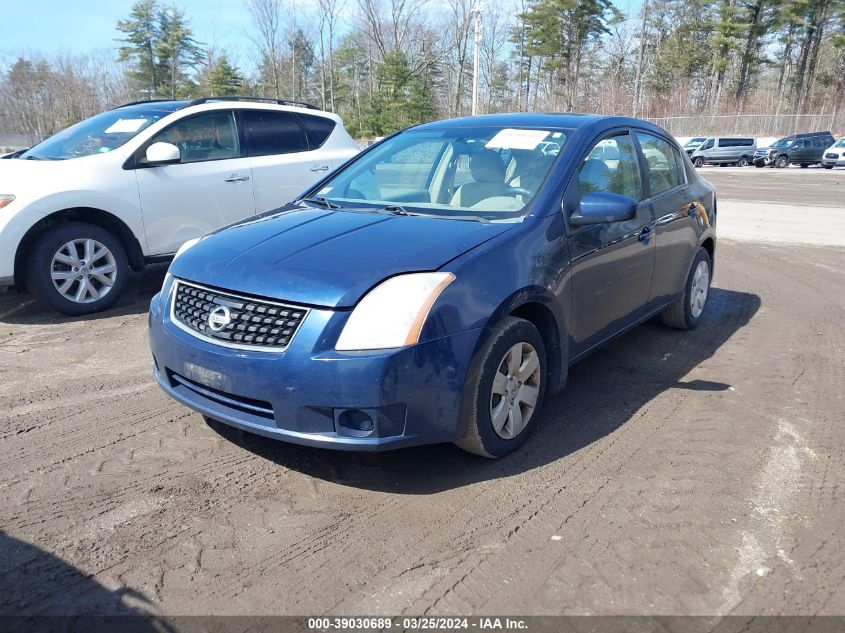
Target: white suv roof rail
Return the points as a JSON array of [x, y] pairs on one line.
[[286, 102]]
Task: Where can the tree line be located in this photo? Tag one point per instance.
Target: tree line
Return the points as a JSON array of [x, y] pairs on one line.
[[386, 64]]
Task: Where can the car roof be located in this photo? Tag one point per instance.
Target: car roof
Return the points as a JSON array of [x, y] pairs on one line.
[[809, 135], [539, 119], [213, 103], [155, 105]]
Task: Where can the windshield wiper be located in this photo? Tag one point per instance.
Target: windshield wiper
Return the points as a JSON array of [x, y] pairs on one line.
[[323, 202], [395, 209]]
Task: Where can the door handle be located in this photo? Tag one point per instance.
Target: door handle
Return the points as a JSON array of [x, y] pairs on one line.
[[320, 168], [236, 178], [646, 234]]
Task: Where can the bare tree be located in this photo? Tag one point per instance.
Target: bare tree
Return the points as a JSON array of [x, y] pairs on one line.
[[267, 20], [329, 14]]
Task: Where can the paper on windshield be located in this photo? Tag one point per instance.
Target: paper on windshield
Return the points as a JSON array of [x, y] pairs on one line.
[[125, 126], [512, 138]]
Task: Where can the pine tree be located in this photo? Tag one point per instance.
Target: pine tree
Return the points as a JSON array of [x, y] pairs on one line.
[[161, 47]]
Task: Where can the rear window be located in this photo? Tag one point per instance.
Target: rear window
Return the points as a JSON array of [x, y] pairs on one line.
[[318, 129], [268, 132]]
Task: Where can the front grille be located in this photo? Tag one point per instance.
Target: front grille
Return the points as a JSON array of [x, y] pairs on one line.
[[831, 155], [234, 320]]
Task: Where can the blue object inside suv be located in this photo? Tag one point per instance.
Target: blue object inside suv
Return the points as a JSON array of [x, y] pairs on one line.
[[437, 286]]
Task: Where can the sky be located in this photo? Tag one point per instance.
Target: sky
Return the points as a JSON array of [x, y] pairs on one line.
[[82, 26]]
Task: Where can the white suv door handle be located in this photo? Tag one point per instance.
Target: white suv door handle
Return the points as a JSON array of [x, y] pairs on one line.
[[320, 168], [237, 178]]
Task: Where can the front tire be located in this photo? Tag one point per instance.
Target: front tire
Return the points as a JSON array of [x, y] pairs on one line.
[[77, 268], [698, 162], [504, 389], [743, 162], [686, 312], [782, 162]]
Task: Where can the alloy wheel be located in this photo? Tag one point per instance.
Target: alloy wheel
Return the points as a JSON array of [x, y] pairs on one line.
[[516, 388], [83, 270], [699, 288]]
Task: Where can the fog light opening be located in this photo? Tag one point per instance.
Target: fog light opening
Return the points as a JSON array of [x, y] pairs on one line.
[[355, 422]]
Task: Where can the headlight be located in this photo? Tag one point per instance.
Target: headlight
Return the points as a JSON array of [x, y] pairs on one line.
[[6, 199], [392, 314], [186, 246]]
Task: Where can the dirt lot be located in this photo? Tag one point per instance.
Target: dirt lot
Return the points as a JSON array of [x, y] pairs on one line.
[[680, 473]]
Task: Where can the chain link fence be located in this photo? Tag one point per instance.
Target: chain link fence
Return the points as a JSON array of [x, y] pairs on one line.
[[751, 124]]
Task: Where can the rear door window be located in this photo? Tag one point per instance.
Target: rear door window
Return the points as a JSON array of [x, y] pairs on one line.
[[268, 132], [662, 164]]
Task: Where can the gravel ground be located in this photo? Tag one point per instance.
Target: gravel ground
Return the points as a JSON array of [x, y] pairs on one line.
[[679, 473]]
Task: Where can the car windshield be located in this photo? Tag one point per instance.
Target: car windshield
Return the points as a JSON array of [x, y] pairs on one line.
[[784, 142], [488, 173], [97, 135], [695, 141], [840, 142]]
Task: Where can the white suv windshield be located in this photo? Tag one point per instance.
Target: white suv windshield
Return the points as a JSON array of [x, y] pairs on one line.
[[99, 134], [483, 172]]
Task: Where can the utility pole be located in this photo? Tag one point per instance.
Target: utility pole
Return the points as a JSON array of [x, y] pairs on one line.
[[476, 12]]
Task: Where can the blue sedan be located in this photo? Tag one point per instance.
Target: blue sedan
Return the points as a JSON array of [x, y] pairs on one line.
[[437, 287]]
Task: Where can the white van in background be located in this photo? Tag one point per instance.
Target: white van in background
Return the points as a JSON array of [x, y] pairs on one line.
[[725, 150]]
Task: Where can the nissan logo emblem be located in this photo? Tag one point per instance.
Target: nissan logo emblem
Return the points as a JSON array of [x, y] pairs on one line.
[[219, 318]]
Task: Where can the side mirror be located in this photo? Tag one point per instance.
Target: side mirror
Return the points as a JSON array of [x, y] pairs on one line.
[[603, 207], [162, 154]]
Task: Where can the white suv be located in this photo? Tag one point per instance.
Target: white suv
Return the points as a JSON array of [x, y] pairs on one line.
[[129, 186], [834, 156]]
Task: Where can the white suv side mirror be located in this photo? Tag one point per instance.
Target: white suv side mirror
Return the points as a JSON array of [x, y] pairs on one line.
[[162, 154]]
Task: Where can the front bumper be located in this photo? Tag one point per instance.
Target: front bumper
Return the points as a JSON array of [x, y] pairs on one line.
[[15, 221], [311, 394], [839, 161]]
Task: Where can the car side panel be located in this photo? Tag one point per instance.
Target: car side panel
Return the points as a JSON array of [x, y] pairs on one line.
[[682, 217], [496, 278]]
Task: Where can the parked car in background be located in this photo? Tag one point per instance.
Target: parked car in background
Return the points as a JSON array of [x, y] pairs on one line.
[[395, 305], [693, 144], [129, 186], [724, 150], [798, 149], [834, 156]]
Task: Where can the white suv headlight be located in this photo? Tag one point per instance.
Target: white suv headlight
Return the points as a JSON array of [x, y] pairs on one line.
[[5, 199], [392, 314]]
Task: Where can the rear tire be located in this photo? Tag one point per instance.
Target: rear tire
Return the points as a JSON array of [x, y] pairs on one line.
[[77, 268], [504, 389], [804, 165], [686, 312]]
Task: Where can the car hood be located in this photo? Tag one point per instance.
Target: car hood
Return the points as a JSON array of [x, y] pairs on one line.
[[326, 258]]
